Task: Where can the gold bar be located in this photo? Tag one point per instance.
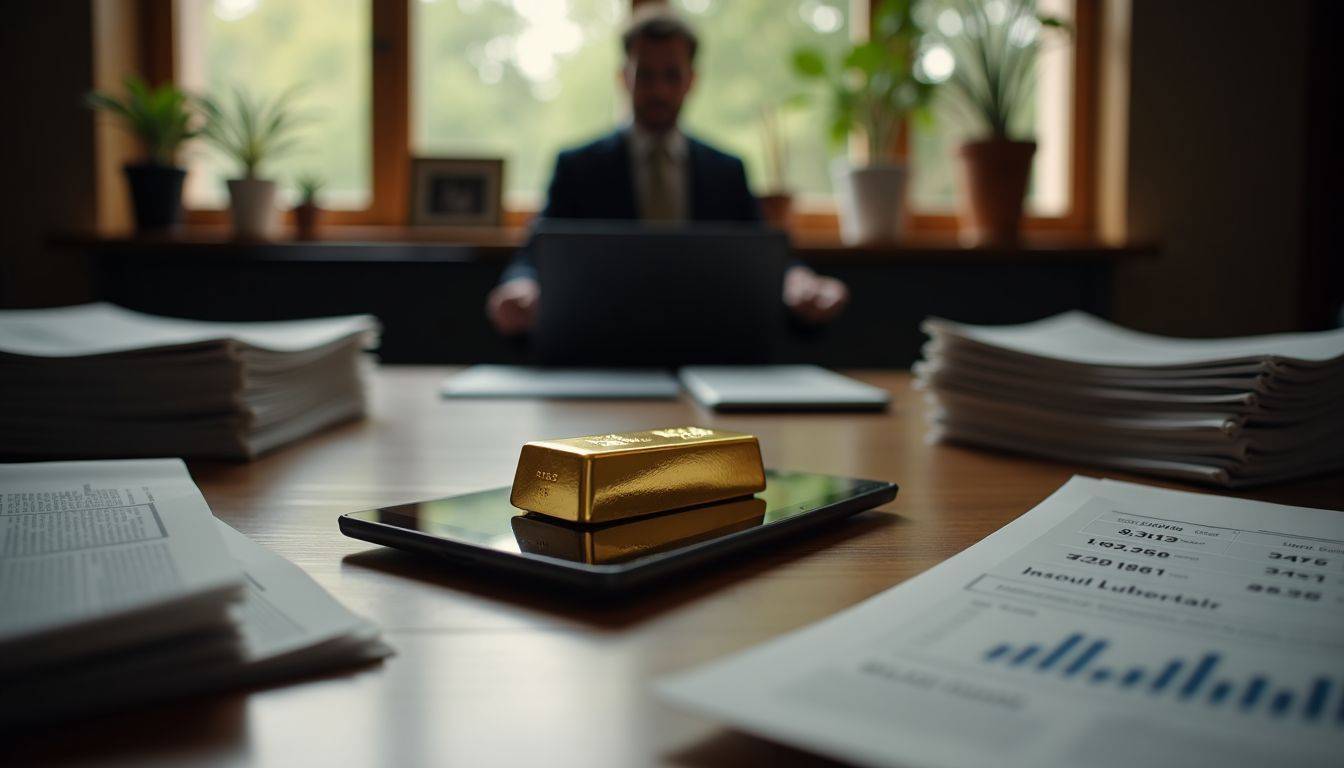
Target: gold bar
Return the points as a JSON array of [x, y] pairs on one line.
[[616, 542], [600, 478]]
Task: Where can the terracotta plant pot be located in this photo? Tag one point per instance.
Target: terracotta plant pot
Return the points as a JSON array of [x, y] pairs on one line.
[[777, 209], [871, 201], [994, 183], [252, 204], [306, 218]]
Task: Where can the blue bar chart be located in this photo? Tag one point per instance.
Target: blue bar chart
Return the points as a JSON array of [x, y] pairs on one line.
[[1195, 679]]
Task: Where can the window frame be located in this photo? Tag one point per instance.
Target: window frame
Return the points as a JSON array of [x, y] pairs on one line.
[[390, 159], [390, 108], [1079, 218]]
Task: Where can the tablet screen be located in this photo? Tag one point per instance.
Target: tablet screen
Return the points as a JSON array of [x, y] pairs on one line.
[[486, 519]]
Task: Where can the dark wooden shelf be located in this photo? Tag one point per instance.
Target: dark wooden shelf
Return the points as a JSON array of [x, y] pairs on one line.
[[495, 245], [428, 286]]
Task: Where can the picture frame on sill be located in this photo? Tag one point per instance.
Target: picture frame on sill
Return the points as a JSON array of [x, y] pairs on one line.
[[457, 191]]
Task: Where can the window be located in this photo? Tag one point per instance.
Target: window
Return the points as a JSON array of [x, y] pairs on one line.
[[934, 182], [520, 79], [320, 47], [553, 63], [739, 80]]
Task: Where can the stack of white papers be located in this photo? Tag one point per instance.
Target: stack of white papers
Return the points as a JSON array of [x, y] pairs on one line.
[[1113, 625], [118, 587], [1232, 412], [99, 380]]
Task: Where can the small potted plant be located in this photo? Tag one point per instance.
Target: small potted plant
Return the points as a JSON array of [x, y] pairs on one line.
[[874, 88], [162, 119], [307, 213], [993, 77], [251, 131]]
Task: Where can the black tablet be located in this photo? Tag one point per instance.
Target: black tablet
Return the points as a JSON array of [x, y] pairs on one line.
[[484, 530]]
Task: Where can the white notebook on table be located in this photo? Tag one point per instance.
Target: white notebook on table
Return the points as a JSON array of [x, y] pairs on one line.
[[779, 387], [565, 383]]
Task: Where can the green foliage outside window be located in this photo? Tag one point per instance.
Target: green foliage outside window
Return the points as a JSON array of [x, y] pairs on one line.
[[264, 47], [745, 66], [521, 79], [492, 80]]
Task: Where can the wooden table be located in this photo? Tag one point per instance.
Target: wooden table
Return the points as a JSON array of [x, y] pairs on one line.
[[490, 673]]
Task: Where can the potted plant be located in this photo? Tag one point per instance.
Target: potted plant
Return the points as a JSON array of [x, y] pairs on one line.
[[873, 89], [252, 130], [307, 213], [993, 81], [161, 118]]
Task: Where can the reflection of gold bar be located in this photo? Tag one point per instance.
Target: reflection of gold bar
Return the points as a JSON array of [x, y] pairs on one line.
[[600, 478], [627, 540]]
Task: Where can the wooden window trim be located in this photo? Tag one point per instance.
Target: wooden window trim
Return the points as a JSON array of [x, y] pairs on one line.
[[390, 107], [1080, 218], [390, 52]]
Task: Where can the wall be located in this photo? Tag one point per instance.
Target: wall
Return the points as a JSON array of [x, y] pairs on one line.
[[48, 144], [1323, 276], [1217, 117]]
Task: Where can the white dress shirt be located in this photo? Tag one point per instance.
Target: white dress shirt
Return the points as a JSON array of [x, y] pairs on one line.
[[643, 146]]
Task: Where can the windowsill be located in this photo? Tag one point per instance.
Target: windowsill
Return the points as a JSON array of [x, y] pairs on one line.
[[346, 234]]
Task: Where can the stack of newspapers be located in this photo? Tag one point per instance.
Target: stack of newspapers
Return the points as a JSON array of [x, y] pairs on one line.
[[1232, 412], [98, 380], [118, 587]]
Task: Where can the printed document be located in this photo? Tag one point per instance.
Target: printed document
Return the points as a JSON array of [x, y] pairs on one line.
[[1233, 412], [99, 380], [118, 587], [285, 626], [106, 329], [1077, 337], [1113, 625], [288, 622], [95, 553]]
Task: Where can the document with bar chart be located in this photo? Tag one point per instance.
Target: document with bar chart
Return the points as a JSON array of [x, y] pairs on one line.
[[1113, 625]]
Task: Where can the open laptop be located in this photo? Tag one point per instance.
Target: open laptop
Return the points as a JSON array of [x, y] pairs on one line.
[[616, 294]]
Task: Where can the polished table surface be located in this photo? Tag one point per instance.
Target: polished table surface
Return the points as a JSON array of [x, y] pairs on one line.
[[489, 672]]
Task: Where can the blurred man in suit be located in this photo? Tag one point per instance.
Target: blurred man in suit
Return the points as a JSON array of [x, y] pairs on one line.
[[651, 171]]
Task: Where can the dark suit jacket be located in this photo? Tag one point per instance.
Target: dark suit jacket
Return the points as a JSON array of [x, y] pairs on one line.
[[595, 181]]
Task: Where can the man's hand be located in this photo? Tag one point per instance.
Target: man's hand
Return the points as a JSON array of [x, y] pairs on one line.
[[512, 306], [814, 298]]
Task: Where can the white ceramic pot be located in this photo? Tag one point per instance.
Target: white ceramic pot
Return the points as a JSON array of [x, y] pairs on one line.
[[255, 215], [871, 201]]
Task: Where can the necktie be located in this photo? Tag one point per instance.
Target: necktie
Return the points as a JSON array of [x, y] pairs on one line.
[[660, 203]]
